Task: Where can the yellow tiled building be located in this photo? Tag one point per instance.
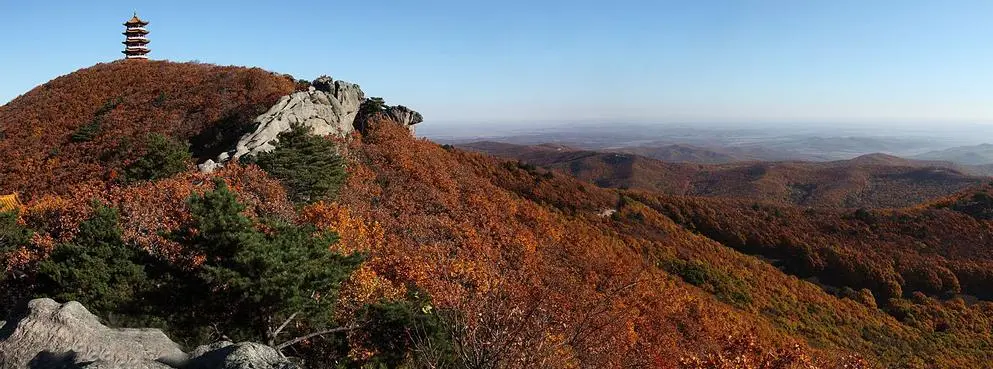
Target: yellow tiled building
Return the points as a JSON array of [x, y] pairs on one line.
[[9, 202]]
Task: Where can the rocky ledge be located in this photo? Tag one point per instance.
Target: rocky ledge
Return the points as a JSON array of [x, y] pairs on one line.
[[328, 107], [53, 335]]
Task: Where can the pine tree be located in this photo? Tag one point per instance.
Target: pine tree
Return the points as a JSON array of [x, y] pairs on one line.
[[307, 165], [257, 281], [163, 158], [97, 268]]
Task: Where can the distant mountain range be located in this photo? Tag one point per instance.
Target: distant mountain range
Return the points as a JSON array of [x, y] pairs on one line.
[[874, 180], [968, 155], [715, 143]]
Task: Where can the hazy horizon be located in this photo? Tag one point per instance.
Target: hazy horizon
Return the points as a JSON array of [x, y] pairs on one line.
[[664, 61]]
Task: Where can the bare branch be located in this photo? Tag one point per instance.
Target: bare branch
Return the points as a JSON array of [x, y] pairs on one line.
[[275, 333], [315, 334]]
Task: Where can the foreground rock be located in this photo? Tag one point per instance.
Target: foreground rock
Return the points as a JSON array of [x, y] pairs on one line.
[[329, 108], [49, 334], [53, 335], [245, 355]]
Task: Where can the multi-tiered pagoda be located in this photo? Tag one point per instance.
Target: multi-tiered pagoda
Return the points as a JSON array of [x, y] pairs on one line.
[[136, 41]]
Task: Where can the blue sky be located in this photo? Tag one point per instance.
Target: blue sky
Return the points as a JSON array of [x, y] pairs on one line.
[[550, 60]]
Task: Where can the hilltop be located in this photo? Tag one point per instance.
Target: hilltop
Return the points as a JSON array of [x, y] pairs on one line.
[[83, 127], [443, 257]]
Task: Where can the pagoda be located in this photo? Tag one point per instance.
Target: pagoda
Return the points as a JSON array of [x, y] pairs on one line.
[[136, 41]]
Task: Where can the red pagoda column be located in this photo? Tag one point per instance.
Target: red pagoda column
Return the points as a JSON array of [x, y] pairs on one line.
[[136, 40]]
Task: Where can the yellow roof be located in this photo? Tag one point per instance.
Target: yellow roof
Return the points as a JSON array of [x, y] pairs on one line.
[[9, 202]]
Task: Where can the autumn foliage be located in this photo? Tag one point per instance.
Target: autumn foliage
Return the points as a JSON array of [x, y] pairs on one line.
[[521, 267], [874, 180], [116, 105]]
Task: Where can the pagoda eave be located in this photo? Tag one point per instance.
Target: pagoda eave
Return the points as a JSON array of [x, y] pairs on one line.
[[136, 22]]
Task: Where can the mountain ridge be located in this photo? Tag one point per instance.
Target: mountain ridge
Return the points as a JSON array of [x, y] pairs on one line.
[[523, 266], [981, 154], [872, 180]]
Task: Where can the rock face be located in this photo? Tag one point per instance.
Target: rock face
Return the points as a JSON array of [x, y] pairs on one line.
[[404, 116], [50, 334], [53, 335], [329, 108]]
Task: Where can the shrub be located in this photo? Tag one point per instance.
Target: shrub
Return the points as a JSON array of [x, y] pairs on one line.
[[12, 234], [864, 215], [369, 108], [372, 106], [88, 131], [307, 165], [866, 298], [726, 287], [96, 268], [160, 100], [979, 206], [300, 84], [163, 158], [396, 328]]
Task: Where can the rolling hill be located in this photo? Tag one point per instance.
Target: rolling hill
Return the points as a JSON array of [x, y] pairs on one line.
[[874, 180], [966, 155], [685, 154]]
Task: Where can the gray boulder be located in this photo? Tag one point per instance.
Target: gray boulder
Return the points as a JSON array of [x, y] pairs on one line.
[[51, 335], [201, 350], [329, 107], [245, 355], [103, 364], [209, 166]]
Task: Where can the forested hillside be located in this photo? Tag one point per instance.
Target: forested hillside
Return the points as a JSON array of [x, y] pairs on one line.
[[405, 253], [875, 180], [84, 127]]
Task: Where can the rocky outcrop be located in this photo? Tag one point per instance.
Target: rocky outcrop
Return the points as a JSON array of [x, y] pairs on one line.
[[329, 107], [404, 116], [49, 334], [53, 335]]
